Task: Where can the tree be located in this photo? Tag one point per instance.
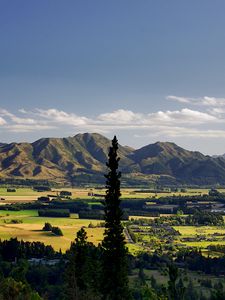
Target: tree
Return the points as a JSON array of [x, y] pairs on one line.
[[14, 290], [57, 231], [47, 227], [74, 273], [115, 277], [82, 277], [173, 276]]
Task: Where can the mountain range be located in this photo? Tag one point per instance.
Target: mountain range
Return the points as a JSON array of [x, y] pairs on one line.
[[81, 159]]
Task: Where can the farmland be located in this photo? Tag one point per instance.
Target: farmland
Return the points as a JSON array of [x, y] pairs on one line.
[[156, 228], [29, 194], [31, 228]]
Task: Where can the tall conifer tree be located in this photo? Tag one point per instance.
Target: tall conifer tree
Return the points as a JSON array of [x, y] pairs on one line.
[[115, 285]]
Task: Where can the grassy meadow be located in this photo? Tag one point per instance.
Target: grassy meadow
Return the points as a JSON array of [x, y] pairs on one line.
[[208, 231], [31, 228]]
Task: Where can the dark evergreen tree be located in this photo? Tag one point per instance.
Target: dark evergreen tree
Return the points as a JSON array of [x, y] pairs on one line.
[[180, 289], [191, 292], [83, 271], [77, 258], [173, 275], [141, 276], [115, 278]]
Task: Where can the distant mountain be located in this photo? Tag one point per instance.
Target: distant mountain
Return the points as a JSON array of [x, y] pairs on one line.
[[222, 155], [81, 159], [185, 166], [58, 159]]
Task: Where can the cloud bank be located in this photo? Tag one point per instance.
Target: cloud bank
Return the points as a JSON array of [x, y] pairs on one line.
[[176, 123]]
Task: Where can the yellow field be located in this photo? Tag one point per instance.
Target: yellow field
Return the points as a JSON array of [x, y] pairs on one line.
[[31, 228], [33, 232]]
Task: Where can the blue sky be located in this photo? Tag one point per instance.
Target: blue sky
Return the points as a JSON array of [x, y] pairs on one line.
[[144, 70]]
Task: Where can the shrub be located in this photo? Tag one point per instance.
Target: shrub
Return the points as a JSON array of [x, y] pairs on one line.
[[43, 199], [65, 193], [41, 188], [47, 227], [57, 231], [61, 213], [13, 221], [11, 190]]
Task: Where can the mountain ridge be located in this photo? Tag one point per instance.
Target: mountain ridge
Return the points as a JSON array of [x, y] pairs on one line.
[[83, 157]]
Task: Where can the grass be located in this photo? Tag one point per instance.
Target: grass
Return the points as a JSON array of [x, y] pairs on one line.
[[134, 248], [203, 244], [141, 217], [31, 228], [208, 231], [19, 192], [187, 231]]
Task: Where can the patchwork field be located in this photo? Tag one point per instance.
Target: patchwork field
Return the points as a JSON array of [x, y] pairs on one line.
[[31, 224], [28, 194]]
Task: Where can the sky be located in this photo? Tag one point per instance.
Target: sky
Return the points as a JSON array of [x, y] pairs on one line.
[[144, 70]]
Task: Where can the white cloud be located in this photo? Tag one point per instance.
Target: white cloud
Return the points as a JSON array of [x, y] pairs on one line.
[[129, 118], [212, 101], [178, 99], [177, 123], [55, 115], [174, 132], [28, 128], [2, 121], [192, 132], [183, 116], [218, 111], [120, 116], [201, 101], [16, 119]]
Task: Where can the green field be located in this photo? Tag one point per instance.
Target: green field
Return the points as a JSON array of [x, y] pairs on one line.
[[19, 192], [187, 231], [206, 231]]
